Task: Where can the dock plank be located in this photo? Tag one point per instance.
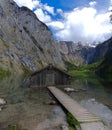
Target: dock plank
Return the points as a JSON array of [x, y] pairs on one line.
[[80, 113], [87, 120]]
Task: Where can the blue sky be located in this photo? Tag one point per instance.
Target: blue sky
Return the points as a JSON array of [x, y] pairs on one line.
[[74, 20]]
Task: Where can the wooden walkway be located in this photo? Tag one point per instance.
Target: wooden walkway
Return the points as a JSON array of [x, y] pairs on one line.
[[84, 117]]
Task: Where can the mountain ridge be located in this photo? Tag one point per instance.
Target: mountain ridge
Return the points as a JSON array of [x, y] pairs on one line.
[[24, 40], [76, 53]]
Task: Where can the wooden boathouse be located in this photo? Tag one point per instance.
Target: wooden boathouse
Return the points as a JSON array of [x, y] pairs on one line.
[[48, 76], [51, 77]]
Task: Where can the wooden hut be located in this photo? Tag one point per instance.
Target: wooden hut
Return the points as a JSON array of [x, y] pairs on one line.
[[48, 76]]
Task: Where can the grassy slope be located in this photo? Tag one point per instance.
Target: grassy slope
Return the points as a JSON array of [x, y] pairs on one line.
[[101, 70], [83, 70]]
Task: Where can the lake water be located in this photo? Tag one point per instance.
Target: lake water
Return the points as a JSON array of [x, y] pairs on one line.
[[97, 98], [29, 107]]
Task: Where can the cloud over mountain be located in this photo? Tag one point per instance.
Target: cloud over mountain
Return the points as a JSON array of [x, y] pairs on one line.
[[85, 23]]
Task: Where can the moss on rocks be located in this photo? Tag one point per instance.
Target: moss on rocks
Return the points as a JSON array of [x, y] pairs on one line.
[[4, 73], [15, 127]]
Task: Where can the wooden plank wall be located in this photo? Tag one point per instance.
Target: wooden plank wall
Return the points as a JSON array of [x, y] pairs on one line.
[[39, 79]]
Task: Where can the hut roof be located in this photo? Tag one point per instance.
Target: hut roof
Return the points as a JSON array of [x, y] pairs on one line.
[[50, 66]]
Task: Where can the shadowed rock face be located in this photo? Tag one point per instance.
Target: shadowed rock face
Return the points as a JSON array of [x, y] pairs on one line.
[[105, 68], [101, 51], [24, 40], [76, 53]]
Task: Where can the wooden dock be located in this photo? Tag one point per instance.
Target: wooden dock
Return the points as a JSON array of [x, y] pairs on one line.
[[87, 120]]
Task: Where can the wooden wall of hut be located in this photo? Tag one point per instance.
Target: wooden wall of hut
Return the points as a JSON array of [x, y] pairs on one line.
[[48, 77]]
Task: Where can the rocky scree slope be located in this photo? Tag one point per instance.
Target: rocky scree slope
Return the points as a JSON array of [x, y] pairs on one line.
[[25, 42]]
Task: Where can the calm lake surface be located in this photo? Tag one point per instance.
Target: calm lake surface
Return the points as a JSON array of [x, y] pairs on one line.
[[27, 107], [97, 98]]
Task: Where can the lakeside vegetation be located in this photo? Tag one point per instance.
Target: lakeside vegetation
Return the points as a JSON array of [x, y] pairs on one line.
[[15, 127], [89, 71], [73, 123], [82, 71]]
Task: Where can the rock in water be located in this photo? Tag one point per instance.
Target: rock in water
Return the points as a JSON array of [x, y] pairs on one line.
[[2, 101], [64, 127], [69, 89]]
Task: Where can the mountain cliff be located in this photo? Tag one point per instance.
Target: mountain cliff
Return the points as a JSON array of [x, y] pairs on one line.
[[101, 55], [25, 42], [75, 53], [105, 68], [101, 51]]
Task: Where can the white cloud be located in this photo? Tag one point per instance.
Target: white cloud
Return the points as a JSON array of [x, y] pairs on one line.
[[85, 25], [60, 11], [81, 24], [110, 8], [43, 16], [28, 3], [57, 25], [41, 10], [92, 3], [49, 9]]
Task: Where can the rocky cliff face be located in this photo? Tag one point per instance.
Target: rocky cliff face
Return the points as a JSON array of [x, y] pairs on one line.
[[25, 42], [101, 51], [105, 68], [76, 53]]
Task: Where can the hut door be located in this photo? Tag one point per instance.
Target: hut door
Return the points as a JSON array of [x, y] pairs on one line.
[[50, 79]]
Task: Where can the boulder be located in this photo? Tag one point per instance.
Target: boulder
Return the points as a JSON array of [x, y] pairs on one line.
[[64, 127], [2, 101], [69, 89]]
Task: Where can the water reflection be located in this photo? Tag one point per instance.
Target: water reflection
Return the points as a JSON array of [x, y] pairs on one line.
[[102, 111], [28, 106], [95, 90], [25, 107], [97, 98]]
